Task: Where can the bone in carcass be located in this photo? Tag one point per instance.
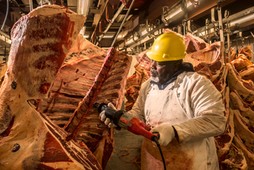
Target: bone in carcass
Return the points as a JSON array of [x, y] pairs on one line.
[[242, 129], [220, 82], [241, 63], [248, 74], [244, 138], [73, 81], [229, 155], [244, 108], [28, 139], [246, 51], [85, 126], [194, 43], [207, 61], [243, 87], [235, 159], [249, 156], [224, 141]]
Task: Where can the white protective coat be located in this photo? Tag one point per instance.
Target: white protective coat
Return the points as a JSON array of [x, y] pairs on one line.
[[194, 107]]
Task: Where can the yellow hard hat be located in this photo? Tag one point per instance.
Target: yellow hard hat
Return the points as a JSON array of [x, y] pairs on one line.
[[167, 47]]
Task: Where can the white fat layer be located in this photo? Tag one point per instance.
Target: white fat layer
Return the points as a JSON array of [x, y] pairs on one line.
[[48, 10]]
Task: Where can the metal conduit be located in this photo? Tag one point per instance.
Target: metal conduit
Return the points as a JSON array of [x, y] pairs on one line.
[[6, 14], [110, 23], [125, 17]]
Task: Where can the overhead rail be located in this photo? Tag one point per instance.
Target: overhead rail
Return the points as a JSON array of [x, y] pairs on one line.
[[223, 26]]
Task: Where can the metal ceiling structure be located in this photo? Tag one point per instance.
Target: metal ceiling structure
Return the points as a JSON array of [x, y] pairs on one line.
[[132, 25]]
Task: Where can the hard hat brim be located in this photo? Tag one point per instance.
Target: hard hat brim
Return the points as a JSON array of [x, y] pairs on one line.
[[159, 58]]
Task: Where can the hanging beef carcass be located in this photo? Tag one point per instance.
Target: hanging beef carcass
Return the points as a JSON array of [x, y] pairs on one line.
[[73, 81], [234, 159], [243, 87], [244, 137], [28, 139], [207, 61], [109, 86], [141, 74], [241, 63], [88, 76], [240, 80], [194, 43], [247, 52]]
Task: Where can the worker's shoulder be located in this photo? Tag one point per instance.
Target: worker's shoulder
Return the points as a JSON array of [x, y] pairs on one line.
[[194, 78], [146, 83]]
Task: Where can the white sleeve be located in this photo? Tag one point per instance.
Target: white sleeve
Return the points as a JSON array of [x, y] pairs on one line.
[[208, 109]]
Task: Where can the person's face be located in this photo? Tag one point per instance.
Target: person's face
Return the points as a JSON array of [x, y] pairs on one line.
[[162, 71]]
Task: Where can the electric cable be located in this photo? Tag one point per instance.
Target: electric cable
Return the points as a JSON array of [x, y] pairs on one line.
[[159, 147]]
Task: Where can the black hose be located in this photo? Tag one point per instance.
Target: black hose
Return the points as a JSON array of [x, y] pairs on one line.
[[159, 147]]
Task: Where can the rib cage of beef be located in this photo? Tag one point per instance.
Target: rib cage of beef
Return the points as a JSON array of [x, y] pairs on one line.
[[72, 82], [28, 139], [87, 78], [109, 86]]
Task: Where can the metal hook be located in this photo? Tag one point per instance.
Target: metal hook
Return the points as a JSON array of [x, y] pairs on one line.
[[184, 26], [165, 10], [189, 26]]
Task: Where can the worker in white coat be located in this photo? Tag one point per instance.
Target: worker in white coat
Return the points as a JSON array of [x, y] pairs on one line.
[[184, 107]]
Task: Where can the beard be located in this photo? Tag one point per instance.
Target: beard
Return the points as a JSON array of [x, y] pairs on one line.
[[154, 76]]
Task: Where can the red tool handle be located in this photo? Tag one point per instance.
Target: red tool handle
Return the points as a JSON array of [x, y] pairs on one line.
[[138, 127]]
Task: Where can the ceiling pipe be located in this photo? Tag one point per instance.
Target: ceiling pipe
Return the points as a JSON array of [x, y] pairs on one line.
[[120, 28], [6, 14], [93, 35], [111, 22], [233, 22], [169, 17], [239, 23], [237, 20]]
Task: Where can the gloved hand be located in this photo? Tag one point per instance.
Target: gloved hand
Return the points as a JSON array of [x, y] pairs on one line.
[[111, 116], [166, 132], [103, 117]]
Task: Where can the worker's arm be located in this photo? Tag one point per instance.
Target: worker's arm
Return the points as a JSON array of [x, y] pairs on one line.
[[111, 115], [203, 105], [207, 107]]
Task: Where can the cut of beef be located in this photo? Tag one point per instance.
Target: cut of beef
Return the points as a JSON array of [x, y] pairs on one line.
[[28, 139]]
